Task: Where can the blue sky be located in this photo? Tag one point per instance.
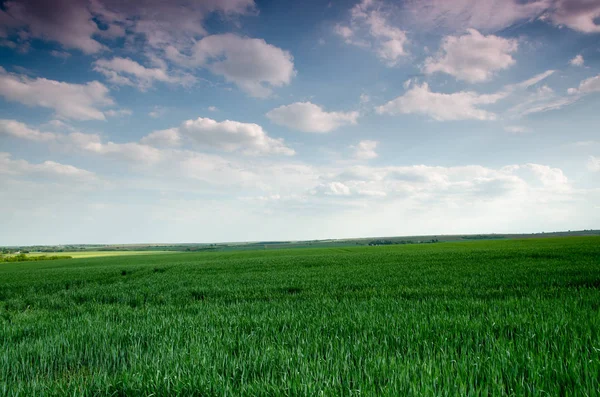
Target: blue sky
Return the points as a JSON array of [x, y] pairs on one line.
[[207, 121]]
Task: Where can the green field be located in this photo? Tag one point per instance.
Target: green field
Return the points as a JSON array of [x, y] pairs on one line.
[[94, 254], [513, 318]]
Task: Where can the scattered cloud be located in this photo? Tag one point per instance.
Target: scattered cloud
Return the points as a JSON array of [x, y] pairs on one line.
[[255, 66], [577, 61], [580, 15], [118, 112], [68, 22], [124, 71], [20, 130], [77, 24], [593, 164], [51, 169], [517, 129], [369, 27], [157, 112], [495, 15], [163, 138], [587, 86], [60, 54], [229, 136], [461, 105], [472, 57], [68, 100], [212, 109], [365, 150], [308, 117], [488, 15]]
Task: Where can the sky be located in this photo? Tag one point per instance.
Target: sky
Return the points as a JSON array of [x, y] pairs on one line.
[[238, 120]]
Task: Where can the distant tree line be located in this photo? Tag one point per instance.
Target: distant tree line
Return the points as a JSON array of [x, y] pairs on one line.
[[482, 237], [392, 242]]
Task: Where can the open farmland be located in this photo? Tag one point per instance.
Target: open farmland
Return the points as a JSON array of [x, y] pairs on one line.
[[517, 317]]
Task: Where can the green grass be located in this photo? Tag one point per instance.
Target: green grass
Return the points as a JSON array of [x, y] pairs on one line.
[[94, 254], [508, 318]]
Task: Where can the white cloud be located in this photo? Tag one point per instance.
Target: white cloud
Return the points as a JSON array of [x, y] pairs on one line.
[[580, 15], [229, 136], [76, 23], [332, 189], [516, 129], [74, 101], [22, 131], [461, 105], [593, 164], [60, 54], [577, 61], [344, 31], [157, 112], [66, 22], [124, 71], [118, 112], [130, 151], [308, 117], [371, 20], [542, 99], [163, 138], [212, 109], [51, 169], [587, 86], [532, 81], [365, 150], [489, 15], [232, 136], [472, 57], [494, 15], [253, 65]]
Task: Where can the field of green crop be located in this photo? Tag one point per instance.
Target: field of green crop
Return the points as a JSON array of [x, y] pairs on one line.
[[508, 318]]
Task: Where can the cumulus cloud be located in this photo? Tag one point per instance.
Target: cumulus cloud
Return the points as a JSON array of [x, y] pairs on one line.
[[130, 151], [68, 100], [229, 136], [365, 150], [369, 26], [255, 66], [163, 138], [461, 105], [124, 71], [577, 61], [78, 24], [68, 22], [308, 117], [87, 143], [472, 57], [51, 169], [587, 86], [20, 130], [580, 15]]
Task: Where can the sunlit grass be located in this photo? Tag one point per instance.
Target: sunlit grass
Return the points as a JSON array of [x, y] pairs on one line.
[[94, 254]]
